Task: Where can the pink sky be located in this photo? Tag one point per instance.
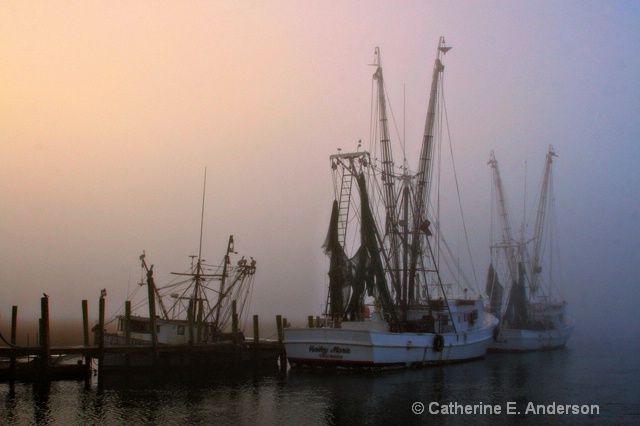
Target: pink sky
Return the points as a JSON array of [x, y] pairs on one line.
[[111, 111]]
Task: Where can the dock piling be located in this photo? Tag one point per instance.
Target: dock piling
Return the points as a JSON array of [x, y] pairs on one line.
[[85, 333], [256, 330], [101, 308], [85, 322], [45, 360], [283, 354], [12, 365], [234, 321], [127, 321]]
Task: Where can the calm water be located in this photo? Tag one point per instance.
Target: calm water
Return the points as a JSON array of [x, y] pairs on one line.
[[585, 373]]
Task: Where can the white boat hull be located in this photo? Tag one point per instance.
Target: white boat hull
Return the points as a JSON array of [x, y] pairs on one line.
[[516, 340], [342, 347]]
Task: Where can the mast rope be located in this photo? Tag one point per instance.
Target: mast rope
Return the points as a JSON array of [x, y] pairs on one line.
[[7, 342], [455, 174]]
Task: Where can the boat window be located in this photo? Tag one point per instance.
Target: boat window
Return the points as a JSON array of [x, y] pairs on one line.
[[140, 327]]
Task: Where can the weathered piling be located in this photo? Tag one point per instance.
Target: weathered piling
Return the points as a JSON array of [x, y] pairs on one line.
[[85, 333], [283, 354], [127, 329], [256, 330], [310, 321], [101, 308], [85, 322], [279, 328], [256, 342], [127, 321], [234, 321], [45, 359], [190, 318], [234, 335], [152, 307], [199, 319], [12, 364]]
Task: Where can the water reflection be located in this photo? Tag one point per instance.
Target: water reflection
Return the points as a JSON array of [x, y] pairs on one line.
[[320, 398]]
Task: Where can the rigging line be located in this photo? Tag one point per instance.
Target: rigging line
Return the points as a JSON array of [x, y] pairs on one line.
[[492, 216], [455, 174], [444, 295], [395, 125], [7, 342], [524, 205], [439, 175], [404, 125], [449, 251]]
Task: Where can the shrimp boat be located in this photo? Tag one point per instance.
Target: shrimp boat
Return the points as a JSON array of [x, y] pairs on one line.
[[387, 303], [533, 317], [205, 304], [197, 307]]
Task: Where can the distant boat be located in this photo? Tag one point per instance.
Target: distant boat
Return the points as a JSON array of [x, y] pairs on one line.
[[387, 305], [532, 317]]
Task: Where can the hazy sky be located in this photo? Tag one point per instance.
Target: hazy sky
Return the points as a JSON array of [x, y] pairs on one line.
[[110, 112]]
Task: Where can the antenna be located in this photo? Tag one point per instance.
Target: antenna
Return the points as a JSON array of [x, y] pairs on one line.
[[204, 187]]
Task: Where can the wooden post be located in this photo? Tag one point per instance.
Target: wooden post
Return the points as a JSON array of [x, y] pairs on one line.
[[199, 319], [127, 330], [256, 330], [256, 343], [85, 322], [237, 354], [283, 354], [190, 318], [152, 308], [14, 328], [101, 308], [14, 324], [85, 329], [279, 328], [45, 340], [127, 321], [310, 321], [234, 321]]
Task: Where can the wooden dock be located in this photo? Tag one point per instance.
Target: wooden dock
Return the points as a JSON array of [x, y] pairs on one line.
[[234, 356]]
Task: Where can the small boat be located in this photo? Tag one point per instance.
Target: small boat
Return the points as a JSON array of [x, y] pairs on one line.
[[532, 316], [205, 304], [387, 302], [198, 307]]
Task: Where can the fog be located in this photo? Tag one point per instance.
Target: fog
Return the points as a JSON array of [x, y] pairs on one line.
[[110, 113]]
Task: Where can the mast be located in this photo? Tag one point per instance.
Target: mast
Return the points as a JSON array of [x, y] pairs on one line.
[[198, 292], [423, 177], [153, 287], [223, 281], [388, 179], [536, 268], [507, 239]]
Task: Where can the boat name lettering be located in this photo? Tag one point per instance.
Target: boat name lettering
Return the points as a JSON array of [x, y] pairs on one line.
[[324, 350]]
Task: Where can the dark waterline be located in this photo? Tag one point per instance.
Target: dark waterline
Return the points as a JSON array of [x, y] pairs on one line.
[[586, 373]]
